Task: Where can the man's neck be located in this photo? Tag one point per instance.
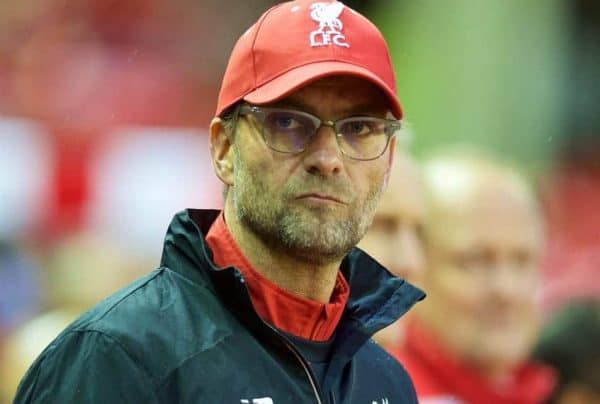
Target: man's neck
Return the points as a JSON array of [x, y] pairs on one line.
[[308, 280], [498, 374]]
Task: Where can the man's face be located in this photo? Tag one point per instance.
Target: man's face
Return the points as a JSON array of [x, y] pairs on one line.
[[395, 236], [317, 204], [483, 253]]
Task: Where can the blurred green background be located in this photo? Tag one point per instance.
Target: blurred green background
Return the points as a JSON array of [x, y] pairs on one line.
[[104, 106], [488, 72]]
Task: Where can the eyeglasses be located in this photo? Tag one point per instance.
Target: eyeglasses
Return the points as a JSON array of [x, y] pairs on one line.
[[290, 131]]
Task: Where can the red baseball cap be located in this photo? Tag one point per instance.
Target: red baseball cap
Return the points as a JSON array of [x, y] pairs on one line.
[[297, 42]]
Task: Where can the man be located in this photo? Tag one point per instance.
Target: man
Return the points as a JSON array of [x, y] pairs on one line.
[[471, 340], [266, 302], [395, 236]]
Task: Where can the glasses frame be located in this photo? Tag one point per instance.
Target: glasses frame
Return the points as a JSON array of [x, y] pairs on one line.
[[391, 126]]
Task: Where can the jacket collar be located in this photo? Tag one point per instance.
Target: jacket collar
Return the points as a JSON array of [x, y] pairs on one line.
[[377, 298]]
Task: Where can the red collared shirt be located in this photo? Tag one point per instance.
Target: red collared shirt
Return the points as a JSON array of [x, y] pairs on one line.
[[440, 378], [288, 312]]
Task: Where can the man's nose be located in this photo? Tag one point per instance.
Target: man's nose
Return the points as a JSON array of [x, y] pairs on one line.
[[505, 282], [323, 155]]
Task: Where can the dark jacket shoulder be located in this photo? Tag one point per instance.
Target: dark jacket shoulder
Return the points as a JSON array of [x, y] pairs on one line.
[[146, 329], [181, 318]]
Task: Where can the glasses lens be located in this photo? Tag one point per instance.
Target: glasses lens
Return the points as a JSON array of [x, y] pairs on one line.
[[287, 131], [363, 138]]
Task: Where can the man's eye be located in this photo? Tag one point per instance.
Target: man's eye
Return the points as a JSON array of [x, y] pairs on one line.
[[285, 122], [356, 128], [475, 260]]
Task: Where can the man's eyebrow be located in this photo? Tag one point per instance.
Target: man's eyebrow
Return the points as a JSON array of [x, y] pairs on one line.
[[366, 109], [370, 109], [287, 103]]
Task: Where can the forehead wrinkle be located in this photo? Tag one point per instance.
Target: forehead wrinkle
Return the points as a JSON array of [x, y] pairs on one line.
[[364, 109], [341, 96]]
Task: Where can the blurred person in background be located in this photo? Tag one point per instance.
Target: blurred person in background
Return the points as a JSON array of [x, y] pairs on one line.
[[570, 342], [266, 301], [24, 343], [470, 342], [395, 236], [20, 287], [20, 300], [77, 273]]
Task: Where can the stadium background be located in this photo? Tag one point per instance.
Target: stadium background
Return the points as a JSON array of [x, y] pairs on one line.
[[104, 106]]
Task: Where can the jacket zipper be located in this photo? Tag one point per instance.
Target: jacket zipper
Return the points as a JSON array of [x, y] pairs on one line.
[[307, 371], [313, 383], [305, 367]]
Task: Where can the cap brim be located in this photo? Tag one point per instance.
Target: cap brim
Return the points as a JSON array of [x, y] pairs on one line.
[[292, 80]]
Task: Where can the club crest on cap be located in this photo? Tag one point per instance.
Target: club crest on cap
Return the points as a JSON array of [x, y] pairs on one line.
[[330, 26]]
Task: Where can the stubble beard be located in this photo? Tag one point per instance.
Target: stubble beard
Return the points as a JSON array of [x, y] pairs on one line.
[[312, 235]]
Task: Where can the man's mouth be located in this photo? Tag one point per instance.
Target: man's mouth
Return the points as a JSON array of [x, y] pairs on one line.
[[319, 197]]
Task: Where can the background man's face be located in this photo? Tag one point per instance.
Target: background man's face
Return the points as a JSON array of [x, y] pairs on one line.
[[483, 253], [395, 236], [276, 195]]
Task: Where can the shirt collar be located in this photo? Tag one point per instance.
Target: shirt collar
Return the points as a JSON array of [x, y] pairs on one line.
[[288, 312]]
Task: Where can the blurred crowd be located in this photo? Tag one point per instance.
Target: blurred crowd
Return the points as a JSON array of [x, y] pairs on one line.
[[469, 229], [104, 106]]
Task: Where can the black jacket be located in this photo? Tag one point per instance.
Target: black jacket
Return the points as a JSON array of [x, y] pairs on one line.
[[187, 333]]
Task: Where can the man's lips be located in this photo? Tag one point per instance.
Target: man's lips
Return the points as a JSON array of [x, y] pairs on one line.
[[316, 196]]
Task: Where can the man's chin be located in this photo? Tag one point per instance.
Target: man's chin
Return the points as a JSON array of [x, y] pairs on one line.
[[507, 350], [319, 240]]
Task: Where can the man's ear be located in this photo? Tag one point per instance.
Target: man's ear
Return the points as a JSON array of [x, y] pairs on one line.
[[221, 150]]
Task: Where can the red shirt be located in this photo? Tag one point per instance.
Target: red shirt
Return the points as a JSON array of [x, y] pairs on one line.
[[440, 378], [288, 312]]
